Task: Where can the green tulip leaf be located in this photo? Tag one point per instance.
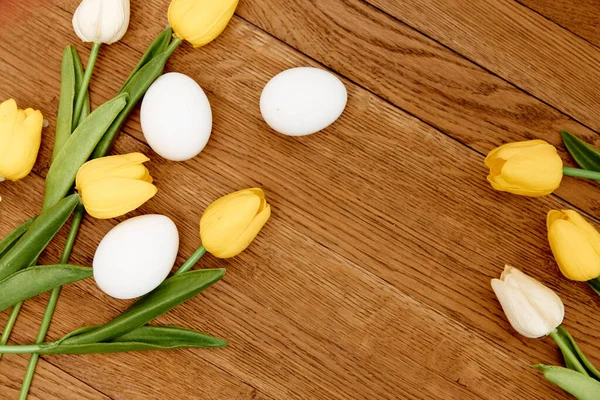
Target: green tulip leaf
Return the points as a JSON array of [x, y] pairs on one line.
[[168, 295], [40, 233], [586, 156], [590, 368], [32, 281], [135, 88], [157, 46], [64, 118], [576, 384], [11, 239], [79, 72], [78, 148], [139, 339]]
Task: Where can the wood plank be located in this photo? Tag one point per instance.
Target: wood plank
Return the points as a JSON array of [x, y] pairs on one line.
[[581, 17], [516, 43], [50, 382], [423, 77]]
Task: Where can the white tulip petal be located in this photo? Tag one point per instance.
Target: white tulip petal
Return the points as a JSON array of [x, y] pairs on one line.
[[101, 21], [523, 317]]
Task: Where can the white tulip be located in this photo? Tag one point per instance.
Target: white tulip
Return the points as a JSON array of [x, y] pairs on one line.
[[532, 309], [101, 21]]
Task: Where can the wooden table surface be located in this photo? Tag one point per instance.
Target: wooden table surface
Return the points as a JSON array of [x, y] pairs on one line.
[[371, 280]]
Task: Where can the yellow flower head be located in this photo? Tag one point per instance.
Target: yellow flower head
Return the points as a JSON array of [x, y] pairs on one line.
[[230, 224], [531, 168], [575, 245], [20, 138], [113, 186], [200, 21]]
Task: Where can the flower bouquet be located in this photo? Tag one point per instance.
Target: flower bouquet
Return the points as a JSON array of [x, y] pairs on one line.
[[534, 168], [83, 179]]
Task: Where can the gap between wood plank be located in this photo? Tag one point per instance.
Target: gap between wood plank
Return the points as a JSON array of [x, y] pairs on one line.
[[522, 90]]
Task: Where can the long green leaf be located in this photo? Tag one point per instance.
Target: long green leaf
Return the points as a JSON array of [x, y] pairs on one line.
[[30, 282], [85, 110], [586, 156], [64, 118], [579, 385], [78, 148], [582, 358], [157, 46], [139, 339], [171, 293], [135, 88], [11, 239], [37, 237]]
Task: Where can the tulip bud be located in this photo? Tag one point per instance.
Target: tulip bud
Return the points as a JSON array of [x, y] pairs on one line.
[[101, 21], [113, 186], [20, 138], [532, 168], [532, 309], [575, 245], [200, 21], [230, 224]]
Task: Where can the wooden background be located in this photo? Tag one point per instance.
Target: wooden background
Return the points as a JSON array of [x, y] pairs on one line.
[[371, 280]]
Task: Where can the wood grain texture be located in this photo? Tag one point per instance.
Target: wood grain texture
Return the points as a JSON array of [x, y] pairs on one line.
[[371, 280], [421, 76], [581, 17], [516, 43]]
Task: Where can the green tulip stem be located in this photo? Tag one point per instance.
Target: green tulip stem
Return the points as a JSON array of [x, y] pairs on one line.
[[20, 349], [581, 173], [570, 357], [51, 307], [191, 261], [174, 44], [85, 82], [14, 314]]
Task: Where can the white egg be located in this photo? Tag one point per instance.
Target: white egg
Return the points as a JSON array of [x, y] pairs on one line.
[[301, 101], [136, 256], [176, 117]]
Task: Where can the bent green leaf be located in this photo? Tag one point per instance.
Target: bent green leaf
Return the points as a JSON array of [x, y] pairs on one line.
[[586, 156], [576, 384], [78, 148], [135, 88], [158, 45], [32, 281], [37, 237], [11, 239], [64, 119], [171, 293], [139, 339]]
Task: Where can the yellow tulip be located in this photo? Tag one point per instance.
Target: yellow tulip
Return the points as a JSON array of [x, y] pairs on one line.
[[20, 138], [575, 245], [230, 224], [200, 21], [113, 186], [531, 168]]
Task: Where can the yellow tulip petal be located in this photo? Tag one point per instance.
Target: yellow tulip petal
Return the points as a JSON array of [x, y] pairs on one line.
[[509, 150], [123, 166], [533, 171], [575, 255], [113, 197], [20, 146], [586, 228], [554, 215], [200, 21], [243, 241], [227, 220]]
